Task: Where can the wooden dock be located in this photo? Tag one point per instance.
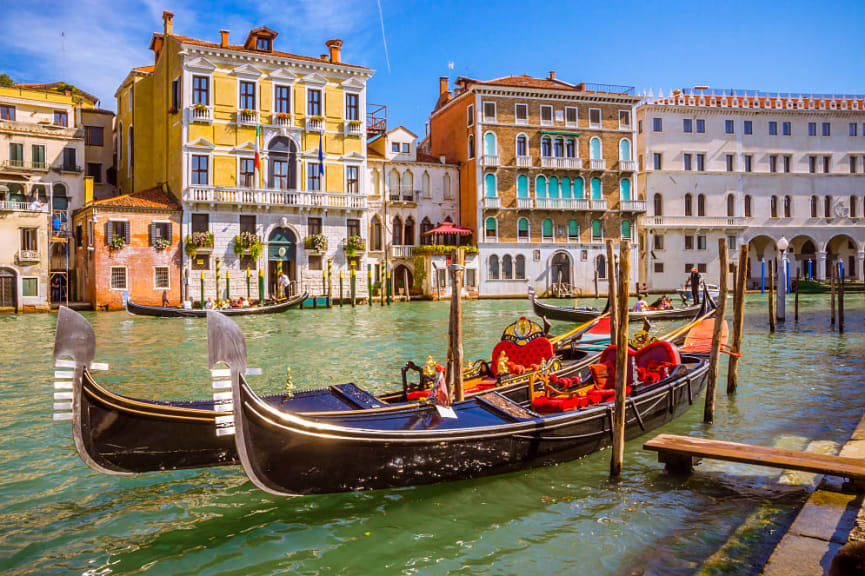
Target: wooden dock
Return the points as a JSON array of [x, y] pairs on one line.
[[680, 453]]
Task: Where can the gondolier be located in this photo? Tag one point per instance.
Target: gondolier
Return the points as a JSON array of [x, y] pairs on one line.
[[284, 284], [695, 285]]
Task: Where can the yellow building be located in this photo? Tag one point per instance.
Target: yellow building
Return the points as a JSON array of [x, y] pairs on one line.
[[189, 123], [42, 157]]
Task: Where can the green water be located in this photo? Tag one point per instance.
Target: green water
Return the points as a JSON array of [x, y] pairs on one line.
[[57, 516]]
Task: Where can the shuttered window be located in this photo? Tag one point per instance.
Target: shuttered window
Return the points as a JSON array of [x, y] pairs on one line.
[[117, 229], [160, 232]]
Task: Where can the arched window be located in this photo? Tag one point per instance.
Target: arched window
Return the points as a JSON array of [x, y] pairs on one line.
[[540, 187], [408, 237], [595, 148], [559, 148], [853, 202], [446, 186], [689, 205], [658, 204], [547, 230], [814, 206], [566, 187], [490, 228], [490, 185], [61, 201], [376, 233], [425, 226], [553, 188], [788, 208], [522, 186], [624, 149], [523, 230], [546, 147], [522, 145], [625, 189], [701, 204], [748, 208], [597, 231], [507, 267], [490, 144], [596, 189], [731, 205], [407, 185], [570, 148], [579, 188], [393, 184], [471, 146], [493, 268], [573, 231], [425, 187], [827, 207], [773, 207], [626, 229], [396, 231], [601, 266], [520, 267], [375, 183]]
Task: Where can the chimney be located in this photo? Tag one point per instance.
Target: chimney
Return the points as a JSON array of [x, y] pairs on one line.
[[323, 57], [427, 128], [167, 21], [223, 38], [443, 159], [443, 85], [335, 47], [552, 74]]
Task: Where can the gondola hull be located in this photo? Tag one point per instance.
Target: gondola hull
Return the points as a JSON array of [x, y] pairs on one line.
[[175, 312], [565, 314]]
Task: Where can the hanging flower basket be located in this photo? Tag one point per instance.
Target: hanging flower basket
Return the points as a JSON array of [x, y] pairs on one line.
[[116, 243], [316, 243], [161, 243], [353, 245], [198, 242], [248, 243]]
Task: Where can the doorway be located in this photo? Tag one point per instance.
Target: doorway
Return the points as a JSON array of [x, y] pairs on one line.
[[560, 274], [8, 289], [281, 254]]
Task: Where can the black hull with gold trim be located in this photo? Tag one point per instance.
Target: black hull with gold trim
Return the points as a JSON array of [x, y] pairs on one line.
[[175, 312]]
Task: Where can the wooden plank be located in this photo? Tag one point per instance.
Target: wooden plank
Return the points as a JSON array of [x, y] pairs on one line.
[[852, 468]]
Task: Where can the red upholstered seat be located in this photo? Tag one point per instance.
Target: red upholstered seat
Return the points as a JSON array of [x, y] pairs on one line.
[[545, 405], [608, 357], [485, 384], [418, 395], [658, 352], [536, 351]]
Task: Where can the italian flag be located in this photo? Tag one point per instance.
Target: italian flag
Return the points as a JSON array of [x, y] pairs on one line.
[[257, 161]]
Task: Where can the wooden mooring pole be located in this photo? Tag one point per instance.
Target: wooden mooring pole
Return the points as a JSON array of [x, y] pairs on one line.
[[715, 355], [840, 297], [611, 289], [738, 320], [596, 283], [455, 327], [621, 311], [832, 292], [796, 299], [772, 295]]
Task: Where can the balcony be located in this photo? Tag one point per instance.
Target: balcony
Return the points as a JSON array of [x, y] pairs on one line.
[[560, 162], [627, 166], [200, 113], [247, 117], [400, 251], [632, 205], [353, 128], [273, 198], [405, 194], [28, 255], [64, 167], [492, 202], [491, 159], [524, 203], [563, 204], [12, 206], [697, 222], [524, 161], [282, 120], [25, 165], [599, 205], [598, 164], [315, 124]]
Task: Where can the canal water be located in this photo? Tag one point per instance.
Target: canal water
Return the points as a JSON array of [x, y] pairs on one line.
[[800, 387]]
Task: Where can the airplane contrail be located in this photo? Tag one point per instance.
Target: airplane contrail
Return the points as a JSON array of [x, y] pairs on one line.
[[383, 38]]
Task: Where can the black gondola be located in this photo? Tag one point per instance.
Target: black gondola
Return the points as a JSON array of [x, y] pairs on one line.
[[286, 453], [176, 312], [579, 315]]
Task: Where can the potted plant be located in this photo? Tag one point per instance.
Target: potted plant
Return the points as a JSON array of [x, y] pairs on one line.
[[317, 118], [248, 243], [354, 123], [116, 243], [353, 245], [161, 243], [196, 241], [247, 112], [199, 107], [316, 242], [283, 115]]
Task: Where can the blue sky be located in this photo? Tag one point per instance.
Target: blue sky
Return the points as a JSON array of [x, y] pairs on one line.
[[794, 46]]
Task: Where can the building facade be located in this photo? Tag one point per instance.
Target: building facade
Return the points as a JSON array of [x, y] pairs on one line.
[[129, 243], [410, 193], [751, 167], [193, 122], [42, 148], [546, 175], [99, 151]]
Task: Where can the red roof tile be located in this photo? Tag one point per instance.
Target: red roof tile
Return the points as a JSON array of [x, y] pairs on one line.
[[526, 81], [147, 69], [152, 198]]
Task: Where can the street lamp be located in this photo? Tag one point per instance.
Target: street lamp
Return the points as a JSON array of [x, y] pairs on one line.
[[781, 303]]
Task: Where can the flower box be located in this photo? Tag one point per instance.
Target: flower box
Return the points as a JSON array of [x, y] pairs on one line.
[[353, 245], [316, 243]]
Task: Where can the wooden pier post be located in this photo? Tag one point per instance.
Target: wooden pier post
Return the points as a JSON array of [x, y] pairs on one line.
[[597, 295], [369, 283], [772, 295], [340, 289], [840, 297], [796, 298], [715, 355], [832, 292], [329, 282], [353, 286], [455, 327], [621, 310], [738, 319], [405, 284], [611, 289]]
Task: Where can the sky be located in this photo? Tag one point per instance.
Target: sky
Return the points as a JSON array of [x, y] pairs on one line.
[[791, 46]]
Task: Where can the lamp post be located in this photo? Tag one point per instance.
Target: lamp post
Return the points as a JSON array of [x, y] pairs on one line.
[[762, 275], [781, 302]]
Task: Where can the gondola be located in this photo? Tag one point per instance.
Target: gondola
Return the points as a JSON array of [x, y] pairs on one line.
[[176, 312], [286, 453], [567, 314]]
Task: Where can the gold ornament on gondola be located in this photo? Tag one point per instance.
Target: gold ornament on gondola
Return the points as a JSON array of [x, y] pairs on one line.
[[641, 339], [429, 367], [289, 383], [502, 364]]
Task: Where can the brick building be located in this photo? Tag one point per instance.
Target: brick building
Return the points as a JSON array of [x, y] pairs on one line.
[[129, 242], [547, 174]]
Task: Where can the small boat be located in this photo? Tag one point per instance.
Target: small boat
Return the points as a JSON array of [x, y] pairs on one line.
[[288, 454], [568, 314], [177, 312]]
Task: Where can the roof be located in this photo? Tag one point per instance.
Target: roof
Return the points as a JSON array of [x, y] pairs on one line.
[[424, 157], [145, 69], [240, 48], [97, 111], [150, 198], [449, 228], [56, 87], [370, 153], [523, 81], [403, 128]]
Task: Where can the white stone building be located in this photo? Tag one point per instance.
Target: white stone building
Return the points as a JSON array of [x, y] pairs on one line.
[[750, 167]]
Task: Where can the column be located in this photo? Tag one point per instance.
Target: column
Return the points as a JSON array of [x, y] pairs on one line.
[[781, 287], [821, 265], [860, 270]]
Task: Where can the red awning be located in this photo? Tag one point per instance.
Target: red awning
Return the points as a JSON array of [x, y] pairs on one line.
[[449, 228]]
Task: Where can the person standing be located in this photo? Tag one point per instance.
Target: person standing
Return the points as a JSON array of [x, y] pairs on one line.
[[284, 283], [695, 285], [164, 298]]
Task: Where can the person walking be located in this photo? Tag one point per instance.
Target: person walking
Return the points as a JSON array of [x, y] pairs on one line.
[[695, 281]]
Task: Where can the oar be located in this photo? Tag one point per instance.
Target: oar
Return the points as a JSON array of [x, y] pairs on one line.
[[581, 328]]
